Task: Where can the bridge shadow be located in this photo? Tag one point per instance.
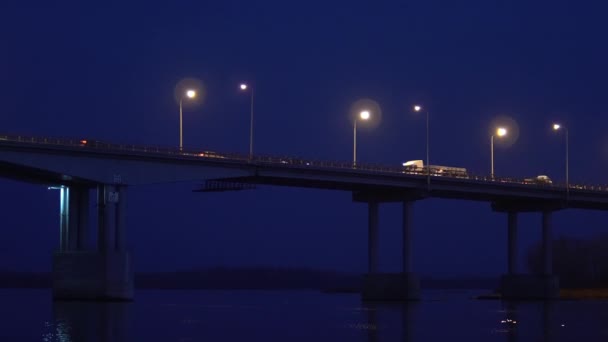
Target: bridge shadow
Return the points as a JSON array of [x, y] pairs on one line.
[[77, 321]]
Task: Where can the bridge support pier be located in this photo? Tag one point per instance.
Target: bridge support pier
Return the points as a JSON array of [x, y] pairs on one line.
[[76, 232], [402, 286], [512, 242], [528, 286], [101, 274], [73, 218], [372, 237], [64, 199]]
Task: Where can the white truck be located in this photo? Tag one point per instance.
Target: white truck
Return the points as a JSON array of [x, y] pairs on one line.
[[540, 179], [417, 167]]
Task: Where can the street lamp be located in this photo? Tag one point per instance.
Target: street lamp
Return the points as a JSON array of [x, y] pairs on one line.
[[557, 127], [189, 94], [417, 109], [500, 132], [244, 87], [363, 115]]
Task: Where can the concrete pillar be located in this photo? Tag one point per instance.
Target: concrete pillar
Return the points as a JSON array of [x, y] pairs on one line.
[[512, 242], [109, 219], [372, 247], [406, 249], [83, 219], [101, 227], [107, 197], [73, 219], [121, 220], [64, 217], [546, 243]]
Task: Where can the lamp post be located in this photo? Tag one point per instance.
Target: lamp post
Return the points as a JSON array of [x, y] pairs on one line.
[[244, 87], [189, 94], [557, 127], [500, 132], [363, 115], [417, 109]]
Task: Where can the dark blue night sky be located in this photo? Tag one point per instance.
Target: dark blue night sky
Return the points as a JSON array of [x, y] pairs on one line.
[[109, 72]]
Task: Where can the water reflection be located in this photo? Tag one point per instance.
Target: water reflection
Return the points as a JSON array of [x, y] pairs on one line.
[[89, 321], [441, 320], [509, 323], [537, 324], [233, 316], [548, 323], [383, 317]]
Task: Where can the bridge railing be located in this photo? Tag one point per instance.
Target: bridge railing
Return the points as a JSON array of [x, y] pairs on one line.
[[284, 161]]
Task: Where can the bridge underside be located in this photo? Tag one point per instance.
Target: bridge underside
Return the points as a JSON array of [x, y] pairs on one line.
[[513, 205], [39, 176], [363, 192], [305, 183]]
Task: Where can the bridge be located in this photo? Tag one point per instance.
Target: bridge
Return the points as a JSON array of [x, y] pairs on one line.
[[77, 166]]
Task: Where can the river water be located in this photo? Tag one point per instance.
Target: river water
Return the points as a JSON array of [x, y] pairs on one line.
[[203, 315]]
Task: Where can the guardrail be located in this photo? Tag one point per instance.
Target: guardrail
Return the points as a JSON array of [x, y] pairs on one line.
[[281, 161]]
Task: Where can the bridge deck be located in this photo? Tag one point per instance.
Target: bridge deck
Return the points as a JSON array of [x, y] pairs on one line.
[[388, 182]]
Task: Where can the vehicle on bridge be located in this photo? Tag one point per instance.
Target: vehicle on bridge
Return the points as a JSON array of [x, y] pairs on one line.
[[417, 167], [210, 154], [204, 154], [93, 143], [540, 179]]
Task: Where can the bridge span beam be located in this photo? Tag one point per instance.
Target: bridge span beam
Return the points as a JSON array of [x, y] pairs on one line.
[[102, 273], [378, 286], [519, 286]]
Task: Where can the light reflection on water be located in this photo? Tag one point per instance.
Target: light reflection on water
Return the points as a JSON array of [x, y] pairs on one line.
[[30, 315]]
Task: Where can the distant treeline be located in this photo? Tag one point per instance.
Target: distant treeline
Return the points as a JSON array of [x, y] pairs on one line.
[[579, 263], [248, 278], [252, 278]]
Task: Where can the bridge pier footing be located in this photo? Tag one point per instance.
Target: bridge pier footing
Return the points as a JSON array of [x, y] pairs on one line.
[[90, 275], [101, 274], [390, 287]]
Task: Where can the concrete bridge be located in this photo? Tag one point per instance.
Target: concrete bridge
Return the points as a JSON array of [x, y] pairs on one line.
[[76, 167]]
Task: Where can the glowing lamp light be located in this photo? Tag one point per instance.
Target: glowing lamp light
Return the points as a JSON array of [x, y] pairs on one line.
[[191, 93], [364, 115], [417, 108], [243, 86], [501, 131], [556, 126]]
